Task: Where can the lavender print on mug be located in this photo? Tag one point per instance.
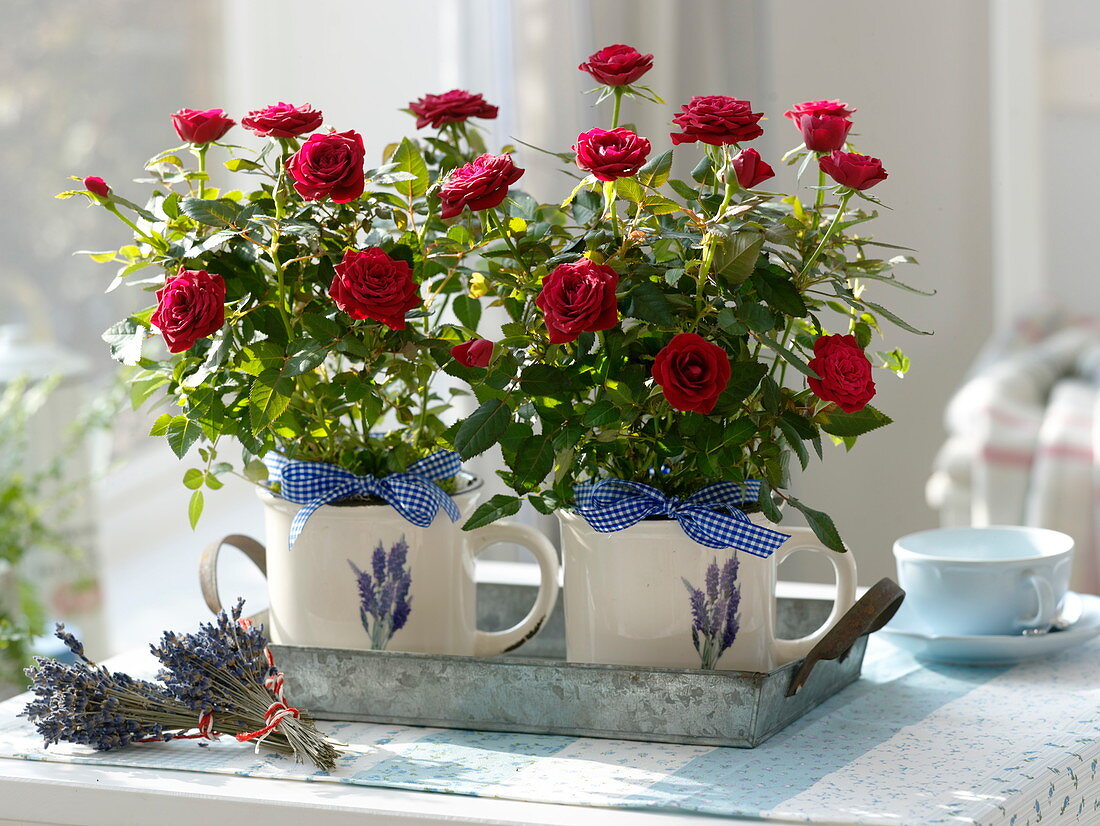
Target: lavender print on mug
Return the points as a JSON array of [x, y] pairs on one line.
[[384, 603], [714, 612]]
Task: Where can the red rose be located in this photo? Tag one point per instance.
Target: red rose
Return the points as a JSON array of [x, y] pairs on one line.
[[617, 65], [833, 108], [692, 372], [479, 185], [853, 170], [717, 120], [845, 373], [579, 298], [824, 133], [609, 155], [329, 165], [190, 306], [208, 125], [370, 284], [281, 120], [97, 186], [751, 170], [454, 106], [477, 352]]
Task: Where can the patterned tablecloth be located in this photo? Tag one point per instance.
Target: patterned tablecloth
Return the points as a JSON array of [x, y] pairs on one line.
[[907, 744]]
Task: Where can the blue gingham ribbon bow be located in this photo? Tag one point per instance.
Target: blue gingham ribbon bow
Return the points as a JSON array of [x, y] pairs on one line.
[[711, 516], [414, 494]]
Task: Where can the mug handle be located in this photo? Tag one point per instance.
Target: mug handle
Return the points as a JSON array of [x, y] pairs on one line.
[[208, 565], [490, 643], [1044, 593], [844, 565]]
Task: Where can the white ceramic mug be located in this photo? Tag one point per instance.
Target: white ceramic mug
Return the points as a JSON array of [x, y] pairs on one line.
[[977, 581], [629, 598], [361, 576]]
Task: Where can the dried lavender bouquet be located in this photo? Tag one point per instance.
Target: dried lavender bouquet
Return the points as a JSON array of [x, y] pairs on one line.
[[220, 680]]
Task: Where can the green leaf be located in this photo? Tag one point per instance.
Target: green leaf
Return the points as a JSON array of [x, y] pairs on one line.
[[468, 310], [533, 461], [219, 214], [193, 478], [744, 377], [241, 164], [544, 380], [702, 169], [194, 509], [182, 433], [656, 170], [684, 190], [779, 291], [660, 205], [498, 507], [160, 426], [862, 332], [756, 317], [767, 503], [646, 301], [307, 356], [728, 322], [483, 428], [735, 258], [895, 360], [839, 423], [600, 414], [905, 325], [125, 339], [268, 399], [822, 526], [255, 471], [789, 356], [407, 158], [795, 441], [629, 190]]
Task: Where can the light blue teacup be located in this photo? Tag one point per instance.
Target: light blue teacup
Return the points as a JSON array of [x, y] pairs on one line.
[[975, 581]]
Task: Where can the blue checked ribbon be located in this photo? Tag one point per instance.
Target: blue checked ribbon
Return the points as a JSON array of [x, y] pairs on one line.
[[711, 516], [413, 494]]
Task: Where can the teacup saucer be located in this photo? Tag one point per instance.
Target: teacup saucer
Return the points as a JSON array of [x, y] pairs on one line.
[[905, 631]]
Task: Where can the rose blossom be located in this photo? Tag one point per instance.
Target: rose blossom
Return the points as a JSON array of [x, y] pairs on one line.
[[282, 120], [190, 306], [204, 126], [481, 184], [329, 165], [97, 186], [833, 108], [578, 298], [477, 352], [617, 65], [370, 284], [824, 133], [619, 153], [853, 170], [454, 106], [750, 169], [692, 372], [717, 120], [845, 373]]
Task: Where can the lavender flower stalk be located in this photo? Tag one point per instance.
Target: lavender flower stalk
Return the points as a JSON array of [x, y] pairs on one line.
[[384, 603], [714, 607], [218, 680]]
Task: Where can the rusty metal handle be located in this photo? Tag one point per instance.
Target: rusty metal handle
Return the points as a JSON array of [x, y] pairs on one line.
[[208, 565], [872, 611]]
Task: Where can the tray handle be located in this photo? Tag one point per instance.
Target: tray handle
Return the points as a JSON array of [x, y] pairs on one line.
[[872, 611], [208, 564]]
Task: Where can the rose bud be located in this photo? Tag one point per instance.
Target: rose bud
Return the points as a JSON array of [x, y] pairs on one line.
[[853, 170], [455, 106], [97, 186], [832, 108], [370, 284], [717, 120], [195, 126], [845, 373], [750, 169], [578, 298], [282, 120], [619, 153], [477, 352], [329, 165], [190, 306], [481, 184], [692, 372], [617, 65], [824, 133]]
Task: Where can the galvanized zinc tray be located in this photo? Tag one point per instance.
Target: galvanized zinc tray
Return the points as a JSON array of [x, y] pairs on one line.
[[537, 691]]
